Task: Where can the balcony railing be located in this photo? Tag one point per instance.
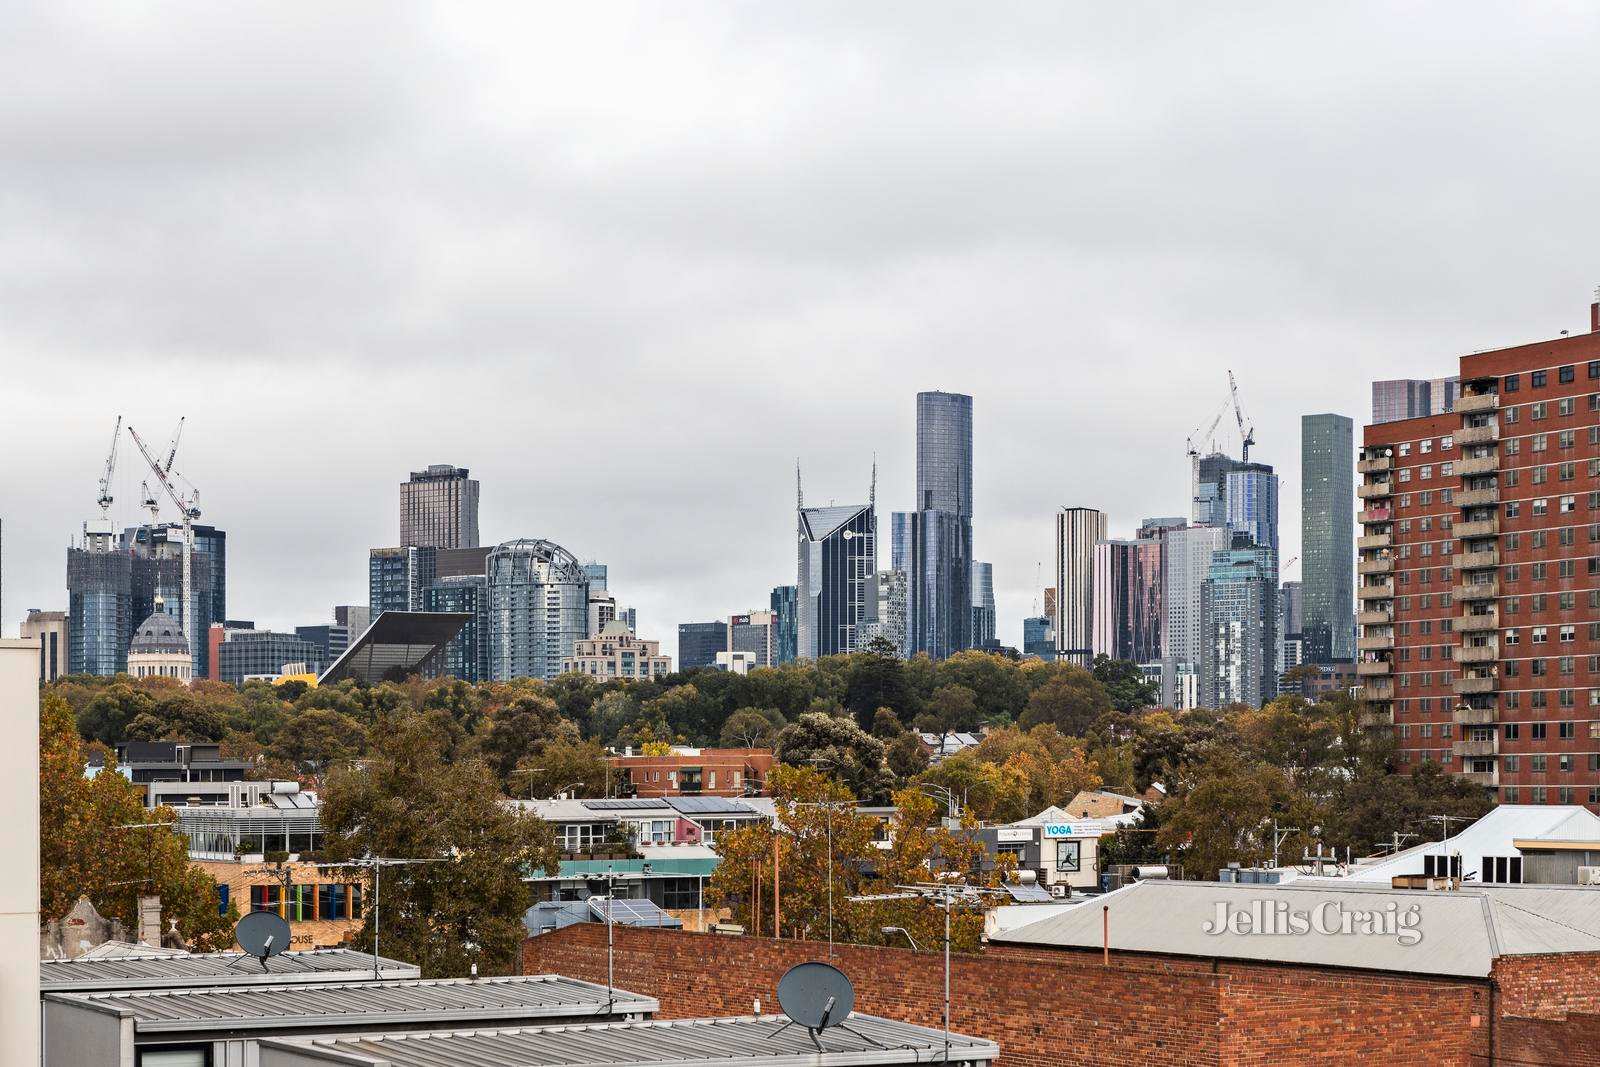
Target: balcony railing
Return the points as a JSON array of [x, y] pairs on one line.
[[1377, 514], [1374, 718], [1375, 489], [1471, 405], [1378, 689], [1375, 541], [1475, 561], [1375, 566], [1376, 643], [1477, 435], [1373, 466], [1490, 779], [1466, 468], [1367, 668], [1375, 618], [1478, 749], [1487, 653], [1481, 528], [1469, 686], [1376, 592], [1478, 591], [1465, 716], [1473, 498], [1471, 624]]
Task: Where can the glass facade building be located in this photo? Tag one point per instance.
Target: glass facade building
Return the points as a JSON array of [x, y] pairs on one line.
[[538, 609], [467, 655], [1128, 600], [248, 652], [1038, 637], [398, 578], [983, 609], [936, 555], [837, 588], [1078, 530], [1239, 628], [699, 643], [439, 508], [1412, 398], [1327, 538], [891, 622], [785, 604]]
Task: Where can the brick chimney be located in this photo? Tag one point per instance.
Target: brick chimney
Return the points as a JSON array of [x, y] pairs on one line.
[[150, 921]]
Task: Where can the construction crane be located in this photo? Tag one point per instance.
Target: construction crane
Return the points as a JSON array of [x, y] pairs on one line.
[[1249, 436], [188, 511], [1197, 438], [172, 449], [111, 465]]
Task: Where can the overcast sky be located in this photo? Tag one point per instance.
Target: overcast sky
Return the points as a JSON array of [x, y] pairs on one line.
[[627, 262]]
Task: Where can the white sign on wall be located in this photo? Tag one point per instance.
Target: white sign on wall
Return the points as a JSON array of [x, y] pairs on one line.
[[1010, 834]]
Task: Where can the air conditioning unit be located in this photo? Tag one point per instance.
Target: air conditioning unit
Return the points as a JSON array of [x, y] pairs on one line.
[[1589, 875], [1061, 889]]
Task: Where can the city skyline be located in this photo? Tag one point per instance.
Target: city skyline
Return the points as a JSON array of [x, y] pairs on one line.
[[341, 278]]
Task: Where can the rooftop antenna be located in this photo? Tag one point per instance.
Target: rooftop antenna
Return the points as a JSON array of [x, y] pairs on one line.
[[263, 934], [799, 493], [376, 864], [872, 491], [817, 996]]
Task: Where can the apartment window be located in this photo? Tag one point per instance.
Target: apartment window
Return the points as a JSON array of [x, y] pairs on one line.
[[1538, 763], [1537, 379], [1446, 443], [1511, 383], [1567, 503], [1513, 446], [1538, 410], [1511, 478], [1564, 763], [1513, 763], [1566, 375], [1512, 730], [1566, 439], [1509, 416], [1427, 446], [1568, 730], [1513, 509], [1541, 475], [1569, 633], [1566, 471], [1537, 730], [1541, 634], [1446, 470], [1540, 442], [1541, 505], [1594, 369], [1511, 637], [1567, 601]]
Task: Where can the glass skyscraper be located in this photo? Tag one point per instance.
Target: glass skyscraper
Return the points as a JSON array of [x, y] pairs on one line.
[[785, 636], [983, 610], [1239, 628], [467, 655], [1327, 536], [837, 588], [538, 609], [699, 643], [936, 538], [1078, 530], [439, 508]]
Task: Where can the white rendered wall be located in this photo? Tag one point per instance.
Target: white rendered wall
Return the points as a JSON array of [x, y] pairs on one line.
[[19, 844]]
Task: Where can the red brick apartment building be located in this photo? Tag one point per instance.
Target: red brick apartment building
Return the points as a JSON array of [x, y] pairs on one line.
[[706, 772], [1479, 583]]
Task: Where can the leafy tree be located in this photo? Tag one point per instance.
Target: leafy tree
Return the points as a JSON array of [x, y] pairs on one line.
[[844, 751], [1125, 684], [109, 711], [523, 729], [905, 757], [89, 845], [1055, 767], [996, 683], [405, 802], [1068, 698], [886, 725], [566, 765], [876, 680], [950, 709], [752, 728], [1220, 809], [317, 739], [992, 793], [1374, 805], [686, 711]]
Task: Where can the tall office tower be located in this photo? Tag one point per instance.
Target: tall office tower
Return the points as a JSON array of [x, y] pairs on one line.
[[837, 590], [48, 629], [1158, 527], [753, 632], [158, 571], [1412, 398], [1209, 487], [1479, 585], [100, 620], [353, 617], [936, 557], [1239, 647], [331, 639], [1327, 538], [439, 508], [602, 610], [467, 655], [1078, 530], [890, 625], [785, 605], [1050, 605], [1039, 637], [983, 610], [262, 652], [699, 643], [398, 578], [597, 573], [1128, 597], [1291, 608], [1185, 563], [538, 608], [1250, 503]]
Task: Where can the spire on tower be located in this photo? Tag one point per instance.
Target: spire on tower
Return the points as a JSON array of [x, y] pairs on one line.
[[799, 493]]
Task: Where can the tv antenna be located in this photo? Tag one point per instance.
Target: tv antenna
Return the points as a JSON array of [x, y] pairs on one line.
[[817, 996], [376, 864], [263, 934]]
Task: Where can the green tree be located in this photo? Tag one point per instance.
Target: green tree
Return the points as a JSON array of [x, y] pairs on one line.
[[406, 802], [842, 749], [1219, 813], [1068, 698], [317, 739], [522, 729], [950, 709], [876, 679], [752, 728], [996, 682], [566, 765], [109, 711], [92, 843], [1125, 684]]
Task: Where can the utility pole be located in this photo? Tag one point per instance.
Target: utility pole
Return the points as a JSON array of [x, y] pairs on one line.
[[1445, 821], [1279, 835]]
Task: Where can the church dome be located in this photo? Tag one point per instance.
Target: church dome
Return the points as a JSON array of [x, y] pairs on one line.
[[160, 633]]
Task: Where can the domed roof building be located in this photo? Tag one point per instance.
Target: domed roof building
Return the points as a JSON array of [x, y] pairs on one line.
[[160, 649]]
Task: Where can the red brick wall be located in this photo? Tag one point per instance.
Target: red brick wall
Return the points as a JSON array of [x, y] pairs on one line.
[[1548, 987], [1573, 1042]]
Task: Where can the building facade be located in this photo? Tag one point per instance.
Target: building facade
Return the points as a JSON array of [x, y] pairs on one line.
[[754, 632], [1185, 563], [1128, 597], [1239, 647], [699, 643], [838, 578], [398, 578], [1480, 575], [439, 508], [1039, 637], [467, 655], [159, 648], [890, 624], [615, 654], [936, 556], [248, 653], [1078, 530], [538, 608], [785, 604], [51, 631], [983, 607], [1412, 398], [1327, 538]]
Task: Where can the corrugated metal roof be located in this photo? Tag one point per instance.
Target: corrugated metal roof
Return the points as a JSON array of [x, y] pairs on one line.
[[213, 969], [752, 1042], [1491, 835], [711, 806], [1462, 932], [376, 1004]]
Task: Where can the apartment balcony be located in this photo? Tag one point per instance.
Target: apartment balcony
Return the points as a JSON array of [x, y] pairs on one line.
[[1377, 514], [1488, 779], [1476, 749], [1473, 498], [1478, 591], [1368, 668], [1373, 718], [1375, 566], [1375, 618], [1471, 405], [1487, 653], [1372, 541], [1376, 592], [1470, 686], [1472, 624], [1465, 716], [1375, 643], [1375, 489], [1378, 690], [1477, 435], [1477, 465], [1481, 528], [1477, 561], [1373, 466]]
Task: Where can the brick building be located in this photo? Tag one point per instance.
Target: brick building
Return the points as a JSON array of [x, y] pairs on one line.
[[1479, 579], [709, 772]]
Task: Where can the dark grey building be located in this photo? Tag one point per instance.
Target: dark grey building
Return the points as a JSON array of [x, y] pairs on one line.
[[1411, 398], [398, 578], [1327, 534], [439, 508], [330, 639], [467, 655], [699, 643], [838, 578], [247, 652], [785, 637], [934, 541]]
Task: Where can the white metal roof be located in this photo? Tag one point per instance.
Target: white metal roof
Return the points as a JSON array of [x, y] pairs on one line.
[[371, 1004], [1491, 835], [1461, 933], [748, 1041], [214, 969]]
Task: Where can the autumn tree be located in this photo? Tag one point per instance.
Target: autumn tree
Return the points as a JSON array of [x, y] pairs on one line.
[[92, 842], [849, 753], [752, 728], [1068, 698], [565, 765], [520, 730], [404, 801]]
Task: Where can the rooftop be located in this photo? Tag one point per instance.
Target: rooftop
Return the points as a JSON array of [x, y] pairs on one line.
[[1495, 834], [351, 1004], [396, 642], [749, 1041], [155, 971]]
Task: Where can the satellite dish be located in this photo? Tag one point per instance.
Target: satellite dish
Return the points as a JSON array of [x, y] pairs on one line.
[[263, 934], [816, 995]]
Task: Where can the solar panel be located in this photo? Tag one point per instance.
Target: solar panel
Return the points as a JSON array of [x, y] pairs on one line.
[[622, 805], [1029, 894], [709, 806], [630, 912]]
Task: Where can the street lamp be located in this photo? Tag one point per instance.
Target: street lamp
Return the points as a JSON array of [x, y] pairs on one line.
[[890, 931]]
